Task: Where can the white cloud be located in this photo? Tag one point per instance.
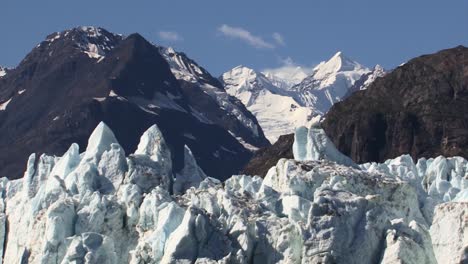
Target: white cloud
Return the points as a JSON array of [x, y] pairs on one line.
[[246, 36], [279, 39], [289, 70], [170, 36]]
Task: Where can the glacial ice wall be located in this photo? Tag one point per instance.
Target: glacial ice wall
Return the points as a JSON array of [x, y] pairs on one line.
[[100, 206]]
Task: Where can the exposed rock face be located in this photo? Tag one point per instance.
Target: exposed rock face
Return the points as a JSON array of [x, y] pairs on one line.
[[419, 108], [77, 78], [267, 157], [222, 109]]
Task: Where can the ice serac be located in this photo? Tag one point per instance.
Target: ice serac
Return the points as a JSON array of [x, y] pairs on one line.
[[99, 141], [151, 164], [313, 144], [152, 144], [190, 176], [435, 180]]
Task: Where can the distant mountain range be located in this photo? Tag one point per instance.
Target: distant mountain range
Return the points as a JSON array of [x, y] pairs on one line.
[[282, 101], [418, 108]]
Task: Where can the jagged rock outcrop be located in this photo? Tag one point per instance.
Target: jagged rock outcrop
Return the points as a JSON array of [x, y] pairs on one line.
[[419, 108]]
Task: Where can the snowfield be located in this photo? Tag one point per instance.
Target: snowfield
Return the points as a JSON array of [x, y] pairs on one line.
[[101, 206]]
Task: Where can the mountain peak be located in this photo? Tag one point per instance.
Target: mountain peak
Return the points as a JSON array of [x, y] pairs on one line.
[[241, 70], [337, 63], [93, 41]]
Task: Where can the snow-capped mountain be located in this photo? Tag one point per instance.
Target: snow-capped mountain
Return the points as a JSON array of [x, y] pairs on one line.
[[329, 83], [102, 207], [284, 100], [275, 109], [86, 75]]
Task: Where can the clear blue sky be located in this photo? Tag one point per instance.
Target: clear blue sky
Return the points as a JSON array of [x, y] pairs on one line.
[[222, 34]]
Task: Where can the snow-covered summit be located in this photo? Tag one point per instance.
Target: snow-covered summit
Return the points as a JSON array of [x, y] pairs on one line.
[[338, 63], [275, 108], [283, 100], [329, 82], [247, 84]]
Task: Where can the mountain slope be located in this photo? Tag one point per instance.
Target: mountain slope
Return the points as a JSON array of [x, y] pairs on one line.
[[77, 78], [223, 109], [419, 108], [275, 108]]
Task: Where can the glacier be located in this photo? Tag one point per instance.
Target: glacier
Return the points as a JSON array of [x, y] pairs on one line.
[[104, 206]]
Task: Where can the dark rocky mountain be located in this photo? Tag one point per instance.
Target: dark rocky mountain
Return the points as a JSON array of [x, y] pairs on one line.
[[220, 107], [268, 157], [420, 108], [74, 79]]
